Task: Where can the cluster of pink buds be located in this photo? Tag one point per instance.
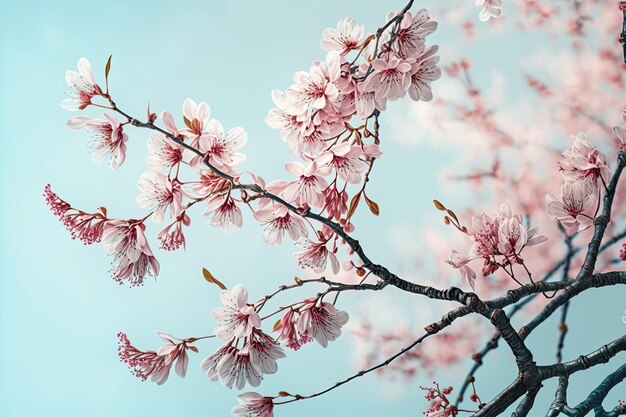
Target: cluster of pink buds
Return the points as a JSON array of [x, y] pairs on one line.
[[585, 177], [440, 406], [498, 241], [86, 227]]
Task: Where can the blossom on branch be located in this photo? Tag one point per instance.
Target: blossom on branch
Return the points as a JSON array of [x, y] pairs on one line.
[[223, 212], [86, 227], [412, 32], [574, 207], [83, 85], [172, 236], [278, 220], [164, 153], [315, 256], [308, 189], [160, 193], [155, 365], [132, 257], [252, 404], [343, 39], [232, 367], [321, 321], [109, 139], [237, 318], [583, 160], [499, 241], [196, 116]]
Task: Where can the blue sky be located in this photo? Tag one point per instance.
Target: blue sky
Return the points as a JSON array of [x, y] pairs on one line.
[[60, 309]]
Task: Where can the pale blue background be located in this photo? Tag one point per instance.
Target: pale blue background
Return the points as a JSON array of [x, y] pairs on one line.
[[60, 309]]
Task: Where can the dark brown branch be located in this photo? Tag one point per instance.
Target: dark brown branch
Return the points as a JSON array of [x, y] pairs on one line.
[[560, 397], [601, 355], [598, 395], [597, 280]]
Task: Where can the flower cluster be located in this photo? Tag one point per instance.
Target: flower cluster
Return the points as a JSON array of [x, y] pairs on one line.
[[239, 322], [123, 239], [440, 406], [499, 241], [312, 320], [155, 365], [86, 227], [585, 176], [252, 404], [132, 257]]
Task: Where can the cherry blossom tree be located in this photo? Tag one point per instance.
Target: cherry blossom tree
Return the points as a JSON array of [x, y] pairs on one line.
[[537, 243]]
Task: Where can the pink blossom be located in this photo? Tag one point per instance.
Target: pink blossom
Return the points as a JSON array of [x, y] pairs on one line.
[[109, 139], [133, 259], [164, 153], [315, 256], [209, 364], [424, 71], [172, 236], [160, 193], [498, 241], [314, 88], [391, 78], [321, 321], [620, 133], [263, 351], [336, 202], [252, 404], [197, 116], [222, 148], [238, 368], [491, 8], [458, 261], [223, 212], [512, 236], [308, 189], [232, 367], [170, 124], [237, 318], [574, 207], [155, 365], [279, 220], [583, 160], [366, 102], [83, 85], [344, 158], [622, 252], [412, 32], [208, 184], [289, 332], [279, 118], [343, 39], [86, 227]]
